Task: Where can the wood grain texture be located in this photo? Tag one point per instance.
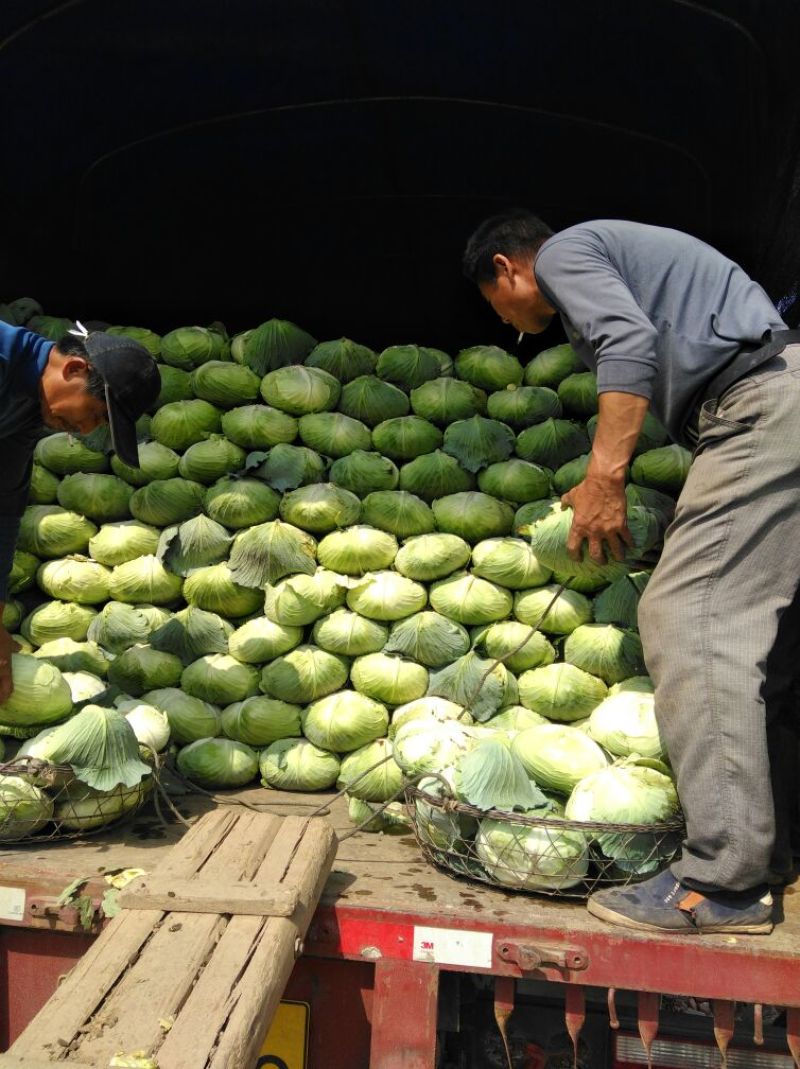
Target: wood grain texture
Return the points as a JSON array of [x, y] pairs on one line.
[[176, 983]]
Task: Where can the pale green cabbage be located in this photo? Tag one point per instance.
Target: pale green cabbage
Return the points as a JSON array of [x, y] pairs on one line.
[[50, 531], [625, 724], [532, 857], [432, 556], [261, 639], [517, 647], [298, 765], [348, 633], [304, 674], [428, 638], [259, 721], [100, 497], [356, 550], [141, 668], [557, 756], [389, 679], [24, 808], [551, 366], [363, 473], [182, 423], [218, 763], [299, 390], [488, 367], [219, 678], [406, 437], [75, 579], [118, 626], [41, 695], [189, 718], [57, 619], [473, 516], [555, 615], [71, 656], [215, 589], [225, 384], [398, 512], [342, 358], [344, 721], [145, 579], [235, 502], [116, 543], [386, 596], [166, 501], [434, 475], [479, 442], [606, 651], [561, 691], [468, 599], [371, 400], [333, 434], [509, 562], [258, 426], [362, 780], [445, 400]]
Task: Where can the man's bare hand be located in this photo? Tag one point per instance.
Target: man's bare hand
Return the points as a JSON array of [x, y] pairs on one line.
[[7, 647], [599, 519]]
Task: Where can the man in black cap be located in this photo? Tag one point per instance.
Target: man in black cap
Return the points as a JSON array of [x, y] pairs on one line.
[[76, 385]]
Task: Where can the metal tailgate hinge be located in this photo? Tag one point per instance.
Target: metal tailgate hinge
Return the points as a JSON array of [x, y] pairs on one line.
[[529, 956]]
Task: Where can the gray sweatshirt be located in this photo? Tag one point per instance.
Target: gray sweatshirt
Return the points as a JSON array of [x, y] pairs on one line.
[[654, 311]]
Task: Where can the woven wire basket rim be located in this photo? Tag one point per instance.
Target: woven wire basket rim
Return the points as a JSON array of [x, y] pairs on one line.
[[590, 828]]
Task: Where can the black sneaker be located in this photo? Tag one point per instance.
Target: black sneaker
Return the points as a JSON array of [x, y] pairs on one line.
[[663, 904]]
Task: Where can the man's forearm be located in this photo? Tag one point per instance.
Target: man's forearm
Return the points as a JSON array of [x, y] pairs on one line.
[[619, 422]]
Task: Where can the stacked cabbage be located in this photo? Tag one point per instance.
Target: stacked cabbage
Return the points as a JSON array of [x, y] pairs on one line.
[[342, 567]]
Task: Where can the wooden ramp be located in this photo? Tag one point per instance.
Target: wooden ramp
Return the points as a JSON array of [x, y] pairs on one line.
[[191, 971]]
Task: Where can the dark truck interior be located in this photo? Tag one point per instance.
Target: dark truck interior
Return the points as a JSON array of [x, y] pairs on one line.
[[325, 160]]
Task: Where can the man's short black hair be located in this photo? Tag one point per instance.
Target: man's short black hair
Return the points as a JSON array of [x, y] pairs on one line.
[[73, 345], [511, 233]]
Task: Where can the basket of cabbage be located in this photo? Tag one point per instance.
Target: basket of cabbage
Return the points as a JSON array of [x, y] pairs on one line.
[[543, 811], [90, 767]]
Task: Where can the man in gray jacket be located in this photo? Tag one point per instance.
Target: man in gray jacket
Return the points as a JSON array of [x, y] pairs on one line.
[[671, 325]]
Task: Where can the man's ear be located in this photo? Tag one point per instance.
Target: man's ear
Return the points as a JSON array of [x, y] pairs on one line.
[[75, 366], [503, 267]]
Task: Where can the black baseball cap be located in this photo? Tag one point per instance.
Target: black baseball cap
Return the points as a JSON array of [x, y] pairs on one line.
[[132, 385]]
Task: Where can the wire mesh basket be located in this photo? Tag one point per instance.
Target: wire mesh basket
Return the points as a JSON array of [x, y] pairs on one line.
[[41, 802], [537, 854]]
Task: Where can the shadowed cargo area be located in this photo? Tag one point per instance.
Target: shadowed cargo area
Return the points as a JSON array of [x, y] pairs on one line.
[[324, 162]]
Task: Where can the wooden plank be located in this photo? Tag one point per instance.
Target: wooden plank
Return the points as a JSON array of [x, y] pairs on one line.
[[90, 980], [212, 845], [158, 983], [199, 896], [153, 990], [100, 969], [215, 1005], [268, 970]]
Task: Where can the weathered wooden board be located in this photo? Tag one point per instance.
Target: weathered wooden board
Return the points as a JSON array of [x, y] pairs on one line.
[[195, 896], [195, 989]]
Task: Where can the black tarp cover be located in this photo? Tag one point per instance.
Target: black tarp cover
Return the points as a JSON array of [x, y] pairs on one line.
[[177, 161]]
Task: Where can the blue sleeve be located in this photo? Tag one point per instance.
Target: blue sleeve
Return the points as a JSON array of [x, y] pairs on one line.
[[586, 287], [17, 343]]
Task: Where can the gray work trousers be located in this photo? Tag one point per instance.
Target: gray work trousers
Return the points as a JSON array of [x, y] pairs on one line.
[[721, 632]]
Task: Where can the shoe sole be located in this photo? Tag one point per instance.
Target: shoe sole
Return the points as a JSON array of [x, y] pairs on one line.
[[611, 915]]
